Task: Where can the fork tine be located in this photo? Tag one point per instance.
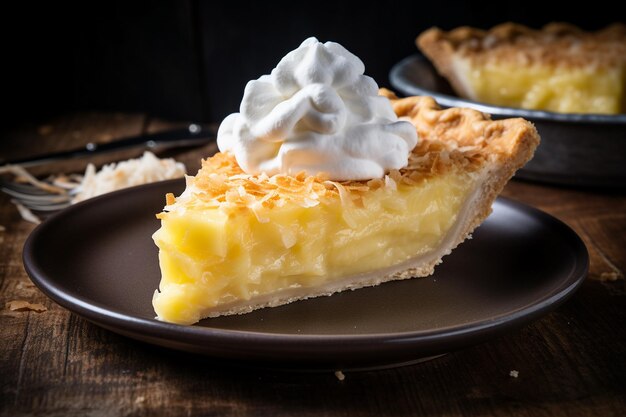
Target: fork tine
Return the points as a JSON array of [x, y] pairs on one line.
[[30, 188], [22, 188], [44, 207], [36, 199], [39, 198]]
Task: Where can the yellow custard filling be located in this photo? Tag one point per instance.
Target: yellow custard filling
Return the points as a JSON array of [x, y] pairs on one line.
[[558, 89], [209, 257]]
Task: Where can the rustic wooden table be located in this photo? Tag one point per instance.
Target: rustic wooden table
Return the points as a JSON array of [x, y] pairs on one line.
[[571, 362]]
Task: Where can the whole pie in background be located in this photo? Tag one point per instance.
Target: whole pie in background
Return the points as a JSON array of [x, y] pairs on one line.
[[558, 68]]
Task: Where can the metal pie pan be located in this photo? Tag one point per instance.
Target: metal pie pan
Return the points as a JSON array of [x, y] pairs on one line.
[[576, 149]]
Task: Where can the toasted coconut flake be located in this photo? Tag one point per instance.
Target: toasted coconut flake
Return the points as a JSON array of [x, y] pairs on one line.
[[344, 194], [256, 208], [390, 183]]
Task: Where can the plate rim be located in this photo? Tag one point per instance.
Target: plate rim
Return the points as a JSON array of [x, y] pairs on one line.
[[400, 82], [127, 324]]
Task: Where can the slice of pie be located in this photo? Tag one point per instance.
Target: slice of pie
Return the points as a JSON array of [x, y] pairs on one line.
[[559, 68], [235, 242]]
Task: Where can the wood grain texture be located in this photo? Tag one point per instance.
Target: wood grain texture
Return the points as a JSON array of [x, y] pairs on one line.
[[598, 217], [570, 362]]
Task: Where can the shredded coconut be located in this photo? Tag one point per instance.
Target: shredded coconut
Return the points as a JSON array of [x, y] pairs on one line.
[[125, 174]]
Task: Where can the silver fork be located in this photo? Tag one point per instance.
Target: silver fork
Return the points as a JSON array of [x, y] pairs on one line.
[[34, 198]]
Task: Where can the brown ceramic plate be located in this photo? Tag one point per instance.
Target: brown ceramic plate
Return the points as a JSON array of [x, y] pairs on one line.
[[576, 149], [97, 259]]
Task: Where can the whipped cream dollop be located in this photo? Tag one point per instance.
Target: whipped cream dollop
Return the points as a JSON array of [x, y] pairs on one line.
[[316, 112]]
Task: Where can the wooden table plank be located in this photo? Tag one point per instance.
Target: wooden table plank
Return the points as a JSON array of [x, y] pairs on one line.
[[571, 362]]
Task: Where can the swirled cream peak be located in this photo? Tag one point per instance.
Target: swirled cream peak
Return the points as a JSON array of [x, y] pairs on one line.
[[316, 112]]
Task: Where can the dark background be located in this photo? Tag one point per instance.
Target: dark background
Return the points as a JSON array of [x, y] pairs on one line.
[[191, 59]]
